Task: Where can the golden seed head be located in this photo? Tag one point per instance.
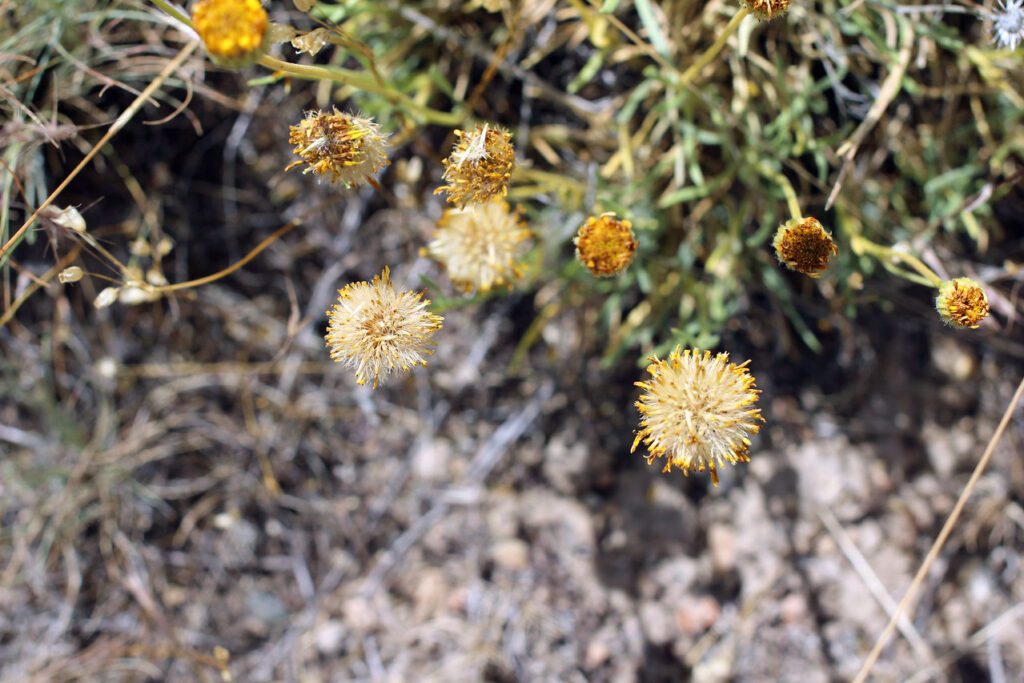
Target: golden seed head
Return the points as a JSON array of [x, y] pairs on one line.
[[605, 245], [377, 330], [232, 31], [481, 245], [767, 9], [479, 166], [341, 147], [962, 303], [697, 411], [803, 245]]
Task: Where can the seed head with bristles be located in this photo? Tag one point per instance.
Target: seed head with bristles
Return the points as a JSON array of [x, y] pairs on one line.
[[697, 411], [340, 147], [803, 245], [481, 245], [605, 245], [962, 303], [767, 10], [233, 31], [1008, 24], [377, 330], [479, 166]]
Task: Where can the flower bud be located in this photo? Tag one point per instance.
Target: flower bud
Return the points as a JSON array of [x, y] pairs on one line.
[[68, 275], [233, 31], [803, 245], [962, 303], [605, 245]]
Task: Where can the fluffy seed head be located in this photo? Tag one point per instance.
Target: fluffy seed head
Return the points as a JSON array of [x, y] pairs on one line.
[[341, 147], [481, 245], [1008, 24], [696, 411], [377, 330], [962, 303], [767, 9], [232, 31], [479, 166], [605, 245], [805, 246]]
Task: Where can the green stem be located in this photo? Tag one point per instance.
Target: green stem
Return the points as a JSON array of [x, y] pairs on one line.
[[888, 255], [173, 11], [716, 47], [787, 189]]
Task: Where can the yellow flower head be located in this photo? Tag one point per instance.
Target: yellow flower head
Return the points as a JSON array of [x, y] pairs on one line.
[[481, 245], [962, 303], [696, 410], [341, 147], [377, 330], [479, 166], [232, 31], [767, 9], [804, 246], [605, 245]]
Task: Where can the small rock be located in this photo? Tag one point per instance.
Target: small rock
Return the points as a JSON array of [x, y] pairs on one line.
[[511, 554], [329, 637]]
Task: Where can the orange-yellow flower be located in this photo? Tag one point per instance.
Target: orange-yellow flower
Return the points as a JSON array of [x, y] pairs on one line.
[[767, 9], [479, 167], [232, 31], [697, 411], [962, 302], [378, 330], [803, 245], [341, 147], [605, 245]]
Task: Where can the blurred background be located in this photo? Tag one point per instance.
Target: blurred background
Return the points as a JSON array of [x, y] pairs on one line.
[[191, 491]]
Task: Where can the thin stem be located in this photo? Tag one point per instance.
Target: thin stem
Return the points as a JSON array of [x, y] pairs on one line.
[[120, 123], [940, 540], [862, 244], [173, 11], [716, 47], [787, 190], [267, 241]]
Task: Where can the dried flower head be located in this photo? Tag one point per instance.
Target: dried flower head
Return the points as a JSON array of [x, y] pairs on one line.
[[696, 410], [962, 303], [233, 31], [605, 244], [481, 245], [479, 166], [343, 147], [804, 246], [377, 330], [1008, 24], [767, 9]]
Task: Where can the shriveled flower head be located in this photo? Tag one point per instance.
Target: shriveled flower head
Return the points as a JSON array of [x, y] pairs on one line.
[[481, 245], [605, 244], [1008, 24], [232, 31], [767, 9], [479, 166], [340, 147], [377, 330], [962, 303], [804, 246], [697, 411]]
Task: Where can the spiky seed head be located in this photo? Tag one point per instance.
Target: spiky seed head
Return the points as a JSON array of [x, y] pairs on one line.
[[962, 303], [605, 244], [767, 10], [1008, 24], [479, 167], [481, 245], [340, 147], [378, 330], [803, 245], [233, 31], [697, 411]]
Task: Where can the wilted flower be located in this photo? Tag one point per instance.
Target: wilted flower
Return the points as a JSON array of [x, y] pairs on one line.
[[605, 245], [377, 330], [479, 166], [1008, 24], [232, 31], [804, 246], [767, 9], [481, 245], [962, 302], [696, 411], [343, 147]]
